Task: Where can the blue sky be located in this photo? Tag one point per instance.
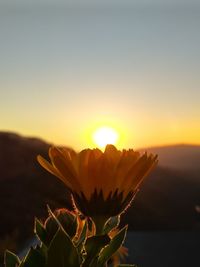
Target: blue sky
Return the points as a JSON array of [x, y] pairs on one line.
[[103, 1]]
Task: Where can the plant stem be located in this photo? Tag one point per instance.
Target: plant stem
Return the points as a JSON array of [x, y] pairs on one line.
[[99, 224]]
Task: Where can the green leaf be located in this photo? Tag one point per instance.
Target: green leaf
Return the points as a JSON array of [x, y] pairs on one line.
[[10, 259], [40, 231], [62, 252], [93, 246], [111, 224], [35, 257], [112, 247]]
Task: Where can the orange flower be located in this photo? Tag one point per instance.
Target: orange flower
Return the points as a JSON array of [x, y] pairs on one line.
[[102, 183]]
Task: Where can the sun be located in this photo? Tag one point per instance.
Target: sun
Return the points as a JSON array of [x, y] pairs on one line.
[[105, 135]]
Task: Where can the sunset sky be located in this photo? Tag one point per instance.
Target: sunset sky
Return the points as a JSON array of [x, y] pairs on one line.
[[69, 67]]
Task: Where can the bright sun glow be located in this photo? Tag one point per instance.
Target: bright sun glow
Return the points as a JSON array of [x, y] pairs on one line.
[[105, 135]]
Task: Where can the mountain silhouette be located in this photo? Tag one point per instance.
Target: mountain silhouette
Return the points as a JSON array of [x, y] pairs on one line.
[[178, 157]]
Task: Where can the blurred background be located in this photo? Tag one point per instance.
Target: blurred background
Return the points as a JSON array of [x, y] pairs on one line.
[[69, 68]]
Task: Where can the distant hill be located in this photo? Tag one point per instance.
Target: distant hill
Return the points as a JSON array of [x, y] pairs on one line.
[[179, 157], [18, 155], [166, 200], [25, 188]]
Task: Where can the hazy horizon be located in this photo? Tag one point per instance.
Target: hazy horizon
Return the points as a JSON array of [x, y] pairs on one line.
[[160, 146]]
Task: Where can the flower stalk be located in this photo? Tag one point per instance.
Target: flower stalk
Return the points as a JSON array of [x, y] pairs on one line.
[[99, 222]]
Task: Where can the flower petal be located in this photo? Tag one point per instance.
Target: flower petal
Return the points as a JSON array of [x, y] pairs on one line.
[[65, 167], [112, 154], [46, 165], [127, 160]]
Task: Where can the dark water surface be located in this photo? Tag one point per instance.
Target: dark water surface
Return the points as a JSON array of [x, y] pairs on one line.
[[164, 249]]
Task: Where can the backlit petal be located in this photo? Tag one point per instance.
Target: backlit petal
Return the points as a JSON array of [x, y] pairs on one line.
[[46, 165]]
